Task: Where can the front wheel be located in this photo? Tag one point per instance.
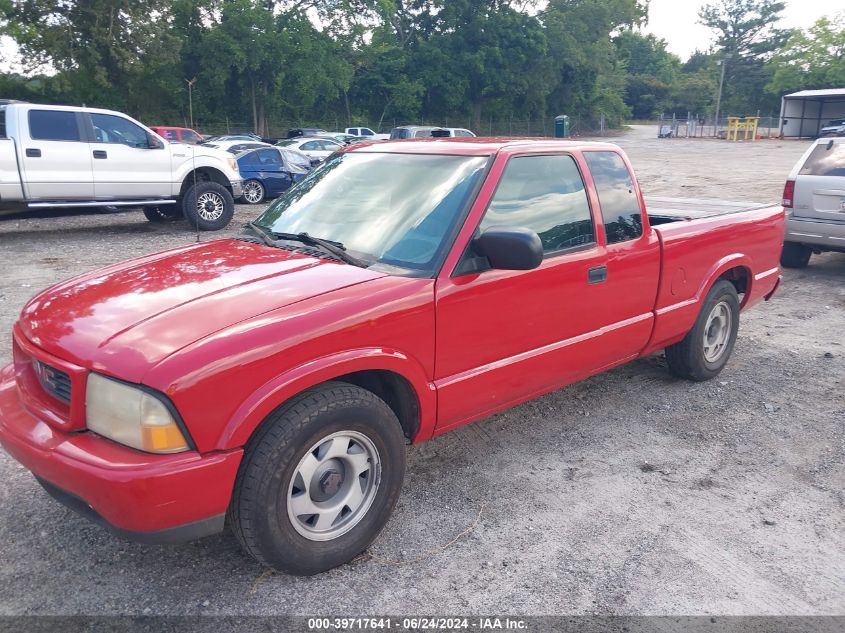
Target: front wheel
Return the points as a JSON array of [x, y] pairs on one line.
[[253, 192], [705, 350], [319, 479], [208, 206]]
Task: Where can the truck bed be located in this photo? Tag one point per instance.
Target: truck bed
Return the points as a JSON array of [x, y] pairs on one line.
[[664, 210], [702, 237]]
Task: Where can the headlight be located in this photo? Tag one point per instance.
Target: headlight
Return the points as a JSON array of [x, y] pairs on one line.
[[131, 416], [233, 164]]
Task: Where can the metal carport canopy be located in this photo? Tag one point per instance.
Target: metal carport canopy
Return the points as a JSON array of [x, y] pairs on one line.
[[804, 113]]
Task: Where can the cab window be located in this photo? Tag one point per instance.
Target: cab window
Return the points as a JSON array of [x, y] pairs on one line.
[[115, 129], [53, 125], [620, 207], [545, 194]]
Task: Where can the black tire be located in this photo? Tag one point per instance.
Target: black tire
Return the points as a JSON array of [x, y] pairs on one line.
[[154, 214], [688, 358], [268, 474], [164, 213], [213, 194], [260, 192], [795, 255]]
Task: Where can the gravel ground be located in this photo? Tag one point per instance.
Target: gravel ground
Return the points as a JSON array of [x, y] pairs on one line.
[[629, 493]]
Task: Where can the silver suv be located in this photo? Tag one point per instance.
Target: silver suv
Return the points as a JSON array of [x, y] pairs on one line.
[[814, 198]]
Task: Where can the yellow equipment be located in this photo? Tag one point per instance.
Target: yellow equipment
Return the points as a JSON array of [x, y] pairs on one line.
[[746, 125]]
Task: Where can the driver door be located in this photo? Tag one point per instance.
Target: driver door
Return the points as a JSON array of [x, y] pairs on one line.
[[504, 336], [125, 164]]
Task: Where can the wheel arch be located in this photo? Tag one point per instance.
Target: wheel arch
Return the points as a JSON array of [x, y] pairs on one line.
[[735, 268], [204, 173], [391, 375]]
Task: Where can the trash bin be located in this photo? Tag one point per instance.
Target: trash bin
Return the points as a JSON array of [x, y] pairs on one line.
[[562, 126]]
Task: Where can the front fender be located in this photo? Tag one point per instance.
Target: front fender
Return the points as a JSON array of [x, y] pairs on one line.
[[189, 163], [255, 408]]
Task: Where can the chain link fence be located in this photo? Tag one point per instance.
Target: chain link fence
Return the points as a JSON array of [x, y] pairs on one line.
[[692, 125]]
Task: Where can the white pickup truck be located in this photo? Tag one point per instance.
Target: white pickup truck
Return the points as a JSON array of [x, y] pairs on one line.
[[61, 156]]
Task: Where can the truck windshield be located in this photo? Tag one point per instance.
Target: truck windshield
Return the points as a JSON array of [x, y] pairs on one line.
[[398, 210]]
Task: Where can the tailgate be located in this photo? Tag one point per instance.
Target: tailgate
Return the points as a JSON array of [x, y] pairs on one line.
[[820, 198]]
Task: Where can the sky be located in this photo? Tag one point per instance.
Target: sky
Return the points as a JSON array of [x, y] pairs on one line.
[[676, 21]]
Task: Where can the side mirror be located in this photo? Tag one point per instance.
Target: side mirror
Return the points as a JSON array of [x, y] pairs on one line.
[[510, 248], [153, 142]]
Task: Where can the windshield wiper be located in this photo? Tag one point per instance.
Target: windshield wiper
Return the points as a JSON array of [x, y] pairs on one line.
[[334, 248], [262, 232]]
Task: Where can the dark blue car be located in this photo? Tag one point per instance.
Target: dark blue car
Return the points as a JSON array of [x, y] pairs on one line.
[[270, 171]]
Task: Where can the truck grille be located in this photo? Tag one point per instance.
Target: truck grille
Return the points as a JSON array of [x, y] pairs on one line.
[[54, 381]]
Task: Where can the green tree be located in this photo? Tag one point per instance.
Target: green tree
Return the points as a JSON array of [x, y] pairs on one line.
[[652, 71], [811, 59], [746, 38], [587, 79], [112, 53], [485, 52]]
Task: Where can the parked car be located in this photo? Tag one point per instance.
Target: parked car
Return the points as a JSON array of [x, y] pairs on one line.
[[316, 148], [814, 196], [833, 128], [60, 156], [449, 132], [400, 291], [178, 134], [342, 137], [411, 131], [426, 131], [305, 131], [234, 137], [267, 172], [366, 132], [236, 146]]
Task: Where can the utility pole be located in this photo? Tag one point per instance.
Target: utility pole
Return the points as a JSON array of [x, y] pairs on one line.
[[722, 62], [191, 83]]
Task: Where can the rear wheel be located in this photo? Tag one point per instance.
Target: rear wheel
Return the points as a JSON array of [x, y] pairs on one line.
[[795, 255], [707, 347], [208, 206], [253, 192], [162, 213], [319, 480]]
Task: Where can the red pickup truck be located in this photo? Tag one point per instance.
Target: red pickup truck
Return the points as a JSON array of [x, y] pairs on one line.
[[399, 291]]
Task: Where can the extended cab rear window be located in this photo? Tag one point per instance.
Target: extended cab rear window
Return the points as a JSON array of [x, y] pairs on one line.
[[53, 125], [826, 159], [545, 194], [620, 207]]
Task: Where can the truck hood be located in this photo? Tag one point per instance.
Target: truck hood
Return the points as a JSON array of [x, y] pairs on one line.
[[199, 151], [124, 319]]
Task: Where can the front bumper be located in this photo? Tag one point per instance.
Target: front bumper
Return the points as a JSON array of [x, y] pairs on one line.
[[150, 498], [825, 235], [237, 188]]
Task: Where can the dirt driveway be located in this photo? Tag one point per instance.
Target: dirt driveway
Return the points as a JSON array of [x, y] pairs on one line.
[[630, 493]]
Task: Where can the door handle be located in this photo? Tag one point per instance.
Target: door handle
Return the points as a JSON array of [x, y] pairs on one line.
[[100, 153], [597, 275], [31, 152]]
